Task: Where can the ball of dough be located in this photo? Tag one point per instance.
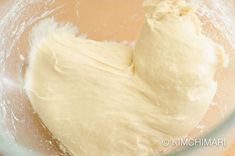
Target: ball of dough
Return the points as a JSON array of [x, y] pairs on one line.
[[109, 99]]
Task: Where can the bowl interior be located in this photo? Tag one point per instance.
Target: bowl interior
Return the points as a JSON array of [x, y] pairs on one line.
[[114, 20]]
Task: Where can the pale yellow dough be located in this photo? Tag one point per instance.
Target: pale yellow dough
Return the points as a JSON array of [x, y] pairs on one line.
[[109, 99]]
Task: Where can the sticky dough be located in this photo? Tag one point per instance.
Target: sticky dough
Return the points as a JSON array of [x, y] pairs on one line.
[[110, 99]]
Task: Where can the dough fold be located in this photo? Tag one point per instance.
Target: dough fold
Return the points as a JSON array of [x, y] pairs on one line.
[[109, 99]]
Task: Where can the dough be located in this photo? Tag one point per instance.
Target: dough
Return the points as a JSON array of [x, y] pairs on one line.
[[109, 99]]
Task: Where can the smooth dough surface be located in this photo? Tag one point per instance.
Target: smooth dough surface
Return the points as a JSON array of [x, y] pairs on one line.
[[110, 99]]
